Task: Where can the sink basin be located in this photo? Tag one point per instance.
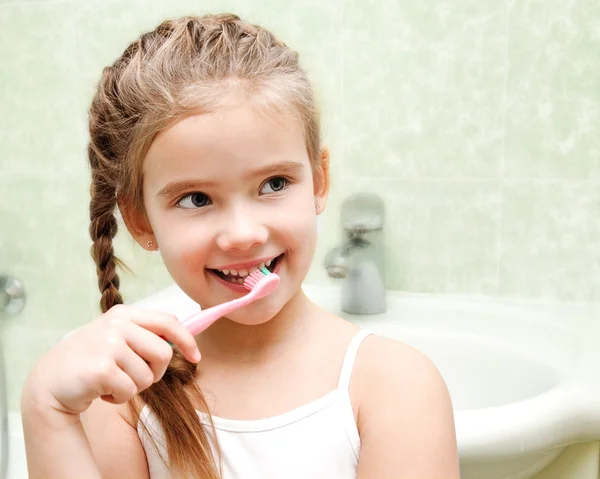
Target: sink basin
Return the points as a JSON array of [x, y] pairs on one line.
[[480, 373], [522, 375]]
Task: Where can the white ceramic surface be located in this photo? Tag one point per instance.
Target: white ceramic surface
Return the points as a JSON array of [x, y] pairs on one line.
[[17, 463]]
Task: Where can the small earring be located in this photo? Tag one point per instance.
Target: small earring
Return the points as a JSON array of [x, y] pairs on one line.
[[149, 244], [317, 206]]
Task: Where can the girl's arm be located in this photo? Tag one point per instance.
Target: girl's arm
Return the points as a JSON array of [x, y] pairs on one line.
[[405, 416], [103, 443], [57, 446], [114, 440]]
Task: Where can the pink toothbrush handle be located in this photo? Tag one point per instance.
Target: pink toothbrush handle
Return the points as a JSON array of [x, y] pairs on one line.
[[198, 322]]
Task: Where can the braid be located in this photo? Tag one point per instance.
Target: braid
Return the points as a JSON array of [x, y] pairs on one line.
[[103, 158], [103, 228]]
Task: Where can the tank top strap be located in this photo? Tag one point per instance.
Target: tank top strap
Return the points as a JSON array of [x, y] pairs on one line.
[[348, 364]]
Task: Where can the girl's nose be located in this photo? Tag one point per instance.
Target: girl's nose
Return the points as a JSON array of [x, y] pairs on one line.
[[242, 230]]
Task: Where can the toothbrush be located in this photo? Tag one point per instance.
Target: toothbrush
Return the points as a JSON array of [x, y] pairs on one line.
[[260, 284]]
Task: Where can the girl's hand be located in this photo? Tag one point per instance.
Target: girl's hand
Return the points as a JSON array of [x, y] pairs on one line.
[[114, 358]]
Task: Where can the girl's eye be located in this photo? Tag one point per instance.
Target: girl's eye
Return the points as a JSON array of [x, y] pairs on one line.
[[194, 200], [276, 184]]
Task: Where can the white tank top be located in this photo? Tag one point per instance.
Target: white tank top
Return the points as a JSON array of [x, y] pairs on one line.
[[318, 440]]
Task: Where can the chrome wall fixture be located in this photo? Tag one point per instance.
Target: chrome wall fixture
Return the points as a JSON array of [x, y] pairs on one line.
[[12, 301]]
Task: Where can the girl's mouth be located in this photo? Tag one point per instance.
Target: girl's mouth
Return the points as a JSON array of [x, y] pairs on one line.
[[237, 277]]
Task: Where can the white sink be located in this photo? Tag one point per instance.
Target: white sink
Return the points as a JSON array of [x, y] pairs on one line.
[[524, 377], [488, 381]]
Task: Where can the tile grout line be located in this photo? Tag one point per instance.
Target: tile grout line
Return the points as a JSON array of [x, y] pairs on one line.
[[344, 175], [482, 179], [414, 179], [25, 3], [499, 242]]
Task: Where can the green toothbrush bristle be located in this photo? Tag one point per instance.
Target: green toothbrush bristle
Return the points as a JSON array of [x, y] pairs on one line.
[[265, 271]]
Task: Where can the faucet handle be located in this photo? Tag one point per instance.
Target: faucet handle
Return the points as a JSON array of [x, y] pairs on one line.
[[362, 213]]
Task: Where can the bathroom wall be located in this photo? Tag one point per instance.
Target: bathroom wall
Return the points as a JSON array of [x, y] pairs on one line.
[[477, 121]]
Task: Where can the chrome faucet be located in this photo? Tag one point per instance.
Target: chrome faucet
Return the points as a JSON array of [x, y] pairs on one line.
[[360, 260]]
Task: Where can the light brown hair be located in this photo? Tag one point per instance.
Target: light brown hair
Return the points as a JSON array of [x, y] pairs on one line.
[[191, 65]]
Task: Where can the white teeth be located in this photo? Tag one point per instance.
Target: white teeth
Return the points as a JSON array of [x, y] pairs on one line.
[[242, 273]]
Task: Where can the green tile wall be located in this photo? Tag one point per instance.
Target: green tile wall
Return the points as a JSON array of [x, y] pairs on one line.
[[477, 121]]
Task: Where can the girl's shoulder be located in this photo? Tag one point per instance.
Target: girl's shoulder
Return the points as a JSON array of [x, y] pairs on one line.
[[380, 353], [389, 365], [389, 373], [403, 405]]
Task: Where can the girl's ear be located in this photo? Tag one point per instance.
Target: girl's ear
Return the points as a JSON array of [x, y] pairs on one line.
[[321, 181], [139, 228]]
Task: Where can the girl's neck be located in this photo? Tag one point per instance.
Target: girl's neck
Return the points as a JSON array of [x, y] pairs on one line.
[[258, 343]]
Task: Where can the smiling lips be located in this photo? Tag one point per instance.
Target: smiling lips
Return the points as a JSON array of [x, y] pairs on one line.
[[238, 276]]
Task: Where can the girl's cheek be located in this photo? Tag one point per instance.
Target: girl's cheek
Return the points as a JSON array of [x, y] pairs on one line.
[[184, 246], [300, 225], [294, 214]]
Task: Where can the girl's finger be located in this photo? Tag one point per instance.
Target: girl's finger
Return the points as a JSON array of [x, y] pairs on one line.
[[152, 352], [137, 369], [119, 388], [162, 324]]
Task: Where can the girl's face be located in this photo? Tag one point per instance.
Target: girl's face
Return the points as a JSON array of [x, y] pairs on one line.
[[225, 193]]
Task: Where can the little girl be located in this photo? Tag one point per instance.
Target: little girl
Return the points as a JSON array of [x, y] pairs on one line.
[[206, 137]]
